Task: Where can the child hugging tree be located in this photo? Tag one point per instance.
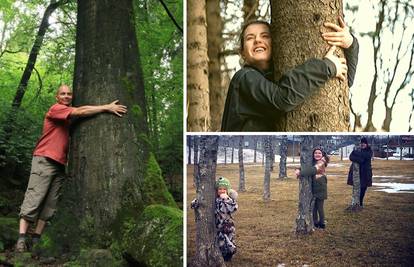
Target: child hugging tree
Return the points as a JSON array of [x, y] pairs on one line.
[[319, 184], [225, 205]]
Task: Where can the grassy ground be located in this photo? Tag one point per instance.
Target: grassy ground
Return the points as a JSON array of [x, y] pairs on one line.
[[381, 234]]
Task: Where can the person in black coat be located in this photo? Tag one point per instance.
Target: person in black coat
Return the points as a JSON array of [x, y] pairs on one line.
[[362, 156]]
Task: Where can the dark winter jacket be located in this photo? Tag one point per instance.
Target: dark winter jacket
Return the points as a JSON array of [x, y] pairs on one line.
[[363, 157], [319, 185], [254, 102]]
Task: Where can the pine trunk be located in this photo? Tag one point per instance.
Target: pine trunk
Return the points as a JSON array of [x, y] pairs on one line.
[[283, 157], [304, 220], [207, 252], [296, 36], [197, 68], [242, 187], [215, 42], [266, 182]]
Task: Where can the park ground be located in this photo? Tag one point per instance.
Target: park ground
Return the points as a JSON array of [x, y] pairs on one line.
[[382, 234]]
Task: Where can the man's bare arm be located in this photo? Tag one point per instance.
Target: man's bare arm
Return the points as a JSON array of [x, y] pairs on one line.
[[86, 111]]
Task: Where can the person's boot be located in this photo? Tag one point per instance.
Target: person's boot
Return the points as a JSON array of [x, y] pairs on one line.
[[227, 257], [21, 245], [317, 225], [35, 244]]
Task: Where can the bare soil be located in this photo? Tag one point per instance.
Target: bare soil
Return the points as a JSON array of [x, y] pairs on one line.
[[381, 234]]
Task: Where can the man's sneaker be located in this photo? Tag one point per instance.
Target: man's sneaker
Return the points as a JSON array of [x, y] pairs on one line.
[[21, 245]]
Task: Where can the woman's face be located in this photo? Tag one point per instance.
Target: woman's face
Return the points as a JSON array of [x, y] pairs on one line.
[[257, 46], [317, 155]]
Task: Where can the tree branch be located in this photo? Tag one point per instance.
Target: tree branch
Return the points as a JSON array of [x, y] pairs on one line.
[[171, 16]]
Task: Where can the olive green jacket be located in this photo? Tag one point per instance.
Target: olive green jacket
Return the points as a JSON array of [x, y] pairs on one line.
[[319, 185]]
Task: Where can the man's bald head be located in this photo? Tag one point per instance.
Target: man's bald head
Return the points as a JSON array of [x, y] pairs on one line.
[[64, 95], [63, 87]]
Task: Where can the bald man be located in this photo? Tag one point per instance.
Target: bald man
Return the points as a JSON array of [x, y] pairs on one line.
[[48, 164]]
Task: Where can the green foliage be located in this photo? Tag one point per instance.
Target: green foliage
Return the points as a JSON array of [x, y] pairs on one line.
[[156, 238], [154, 189]]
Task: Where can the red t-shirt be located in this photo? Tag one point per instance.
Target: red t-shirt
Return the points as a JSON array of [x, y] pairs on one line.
[[55, 136]]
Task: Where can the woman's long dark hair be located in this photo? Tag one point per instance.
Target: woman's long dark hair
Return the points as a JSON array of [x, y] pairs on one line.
[[324, 154]]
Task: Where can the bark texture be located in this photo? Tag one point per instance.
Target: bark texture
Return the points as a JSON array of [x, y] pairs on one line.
[[195, 161], [198, 106], [215, 42], [283, 157], [207, 252], [304, 220], [296, 30], [242, 186], [266, 180], [356, 188]]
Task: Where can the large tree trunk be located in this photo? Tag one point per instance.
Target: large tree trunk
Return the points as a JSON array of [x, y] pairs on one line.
[[304, 220], [197, 68], [268, 152], [296, 36], [109, 157], [207, 252], [215, 42], [283, 157], [242, 186]]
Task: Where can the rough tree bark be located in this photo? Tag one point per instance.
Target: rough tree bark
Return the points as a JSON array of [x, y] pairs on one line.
[[189, 145], [296, 36], [195, 160], [207, 252], [215, 43], [356, 188], [242, 186], [283, 157], [268, 152], [304, 220], [198, 106], [109, 161]]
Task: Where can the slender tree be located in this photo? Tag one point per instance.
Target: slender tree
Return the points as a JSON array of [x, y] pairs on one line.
[[207, 252], [189, 145], [195, 161], [255, 138], [198, 107], [283, 156], [304, 220], [296, 36], [356, 187], [242, 186], [250, 7], [266, 182]]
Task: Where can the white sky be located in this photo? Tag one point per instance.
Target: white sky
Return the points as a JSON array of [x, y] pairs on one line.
[[364, 20]]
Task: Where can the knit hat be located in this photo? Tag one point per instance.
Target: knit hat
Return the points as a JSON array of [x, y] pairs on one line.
[[223, 182], [364, 141]]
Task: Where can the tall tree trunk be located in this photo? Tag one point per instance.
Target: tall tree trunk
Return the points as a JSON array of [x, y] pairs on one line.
[[195, 161], [215, 42], [197, 68], [242, 186], [232, 150], [110, 165], [225, 155], [154, 121], [296, 37], [255, 138], [266, 182], [283, 156], [207, 252], [304, 220]]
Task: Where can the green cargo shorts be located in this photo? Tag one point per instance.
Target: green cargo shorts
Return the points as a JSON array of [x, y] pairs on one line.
[[46, 179]]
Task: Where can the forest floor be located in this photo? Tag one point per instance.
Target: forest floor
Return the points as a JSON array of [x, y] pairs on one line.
[[381, 234]]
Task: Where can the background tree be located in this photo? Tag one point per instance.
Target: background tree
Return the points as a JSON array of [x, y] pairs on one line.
[[304, 220], [283, 156], [198, 107], [296, 36], [195, 161], [242, 186], [268, 153], [207, 251]]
